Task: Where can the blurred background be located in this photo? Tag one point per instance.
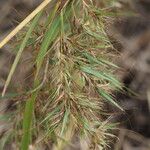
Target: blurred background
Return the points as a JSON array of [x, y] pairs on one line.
[[131, 36]]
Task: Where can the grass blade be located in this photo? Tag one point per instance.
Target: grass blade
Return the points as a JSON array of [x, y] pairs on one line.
[[99, 61], [109, 98], [27, 121], [65, 121], [50, 35], [92, 59], [23, 45], [93, 72]]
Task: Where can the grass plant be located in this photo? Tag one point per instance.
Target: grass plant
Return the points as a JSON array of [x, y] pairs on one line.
[[73, 77]]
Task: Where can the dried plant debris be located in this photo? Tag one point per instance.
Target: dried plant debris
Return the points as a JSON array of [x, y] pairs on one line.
[[70, 79]]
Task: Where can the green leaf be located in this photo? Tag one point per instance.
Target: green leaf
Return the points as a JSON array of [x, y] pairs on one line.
[[49, 37], [108, 63], [113, 80], [97, 36], [102, 75], [27, 121], [108, 98], [99, 61], [65, 121], [95, 73], [92, 59]]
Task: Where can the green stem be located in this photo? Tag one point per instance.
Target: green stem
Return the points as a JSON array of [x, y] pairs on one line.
[[29, 107], [27, 121]]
